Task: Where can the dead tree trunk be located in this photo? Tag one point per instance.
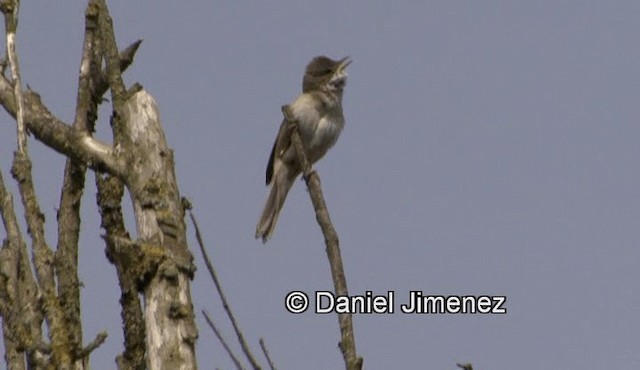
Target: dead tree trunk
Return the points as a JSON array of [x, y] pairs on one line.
[[169, 317]]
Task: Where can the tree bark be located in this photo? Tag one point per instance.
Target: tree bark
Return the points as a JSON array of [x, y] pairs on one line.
[[169, 316]]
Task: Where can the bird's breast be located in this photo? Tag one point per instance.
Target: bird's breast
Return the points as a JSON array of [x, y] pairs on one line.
[[324, 136], [327, 131], [320, 122]]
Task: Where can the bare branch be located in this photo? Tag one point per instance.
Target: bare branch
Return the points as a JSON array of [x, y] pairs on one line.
[[15, 336], [10, 9], [223, 298], [126, 59], [59, 136], [347, 344], [110, 54], [7, 212], [266, 354], [20, 308], [110, 192], [43, 261], [66, 256], [66, 261], [86, 103], [213, 327], [465, 366]]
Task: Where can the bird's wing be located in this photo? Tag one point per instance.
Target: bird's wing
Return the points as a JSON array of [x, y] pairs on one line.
[[283, 140]]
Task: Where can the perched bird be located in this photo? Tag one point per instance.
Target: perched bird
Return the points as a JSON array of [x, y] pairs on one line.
[[318, 111]]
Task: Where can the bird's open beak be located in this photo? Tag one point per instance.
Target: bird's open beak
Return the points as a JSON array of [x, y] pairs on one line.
[[344, 63]]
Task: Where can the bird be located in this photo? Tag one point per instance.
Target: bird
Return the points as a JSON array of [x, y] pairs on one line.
[[318, 111]]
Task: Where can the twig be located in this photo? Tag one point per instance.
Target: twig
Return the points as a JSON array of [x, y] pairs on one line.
[[213, 327], [97, 342], [10, 9], [347, 343], [465, 366], [225, 304], [266, 354], [126, 59]]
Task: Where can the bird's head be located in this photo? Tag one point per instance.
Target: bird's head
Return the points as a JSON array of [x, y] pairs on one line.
[[323, 73]]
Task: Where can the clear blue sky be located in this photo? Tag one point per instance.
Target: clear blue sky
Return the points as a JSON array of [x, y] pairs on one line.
[[490, 148]]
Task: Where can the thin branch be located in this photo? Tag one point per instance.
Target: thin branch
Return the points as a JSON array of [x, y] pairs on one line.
[[347, 343], [225, 304], [213, 327], [21, 291], [10, 253], [66, 256], [125, 60], [111, 57], [66, 261], [10, 9], [86, 105], [465, 366], [8, 214], [43, 262], [266, 354]]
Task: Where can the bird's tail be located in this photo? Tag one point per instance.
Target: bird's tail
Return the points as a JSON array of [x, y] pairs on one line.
[[280, 186]]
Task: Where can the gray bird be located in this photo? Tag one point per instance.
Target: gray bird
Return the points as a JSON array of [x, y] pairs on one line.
[[318, 111]]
